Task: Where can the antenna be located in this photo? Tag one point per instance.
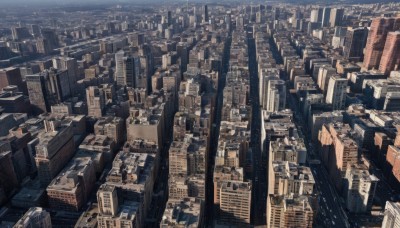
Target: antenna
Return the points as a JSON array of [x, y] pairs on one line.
[[187, 6]]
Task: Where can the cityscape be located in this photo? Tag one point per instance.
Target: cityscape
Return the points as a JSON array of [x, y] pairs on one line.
[[184, 114]]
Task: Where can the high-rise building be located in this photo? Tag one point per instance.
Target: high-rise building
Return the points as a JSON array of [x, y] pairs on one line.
[[113, 127], [336, 94], [11, 76], [131, 69], [48, 88], [114, 215], [326, 16], [354, 43], [72, 187], [291, 211], [336, 17], [377, 35], [391, 53], [95, 101], [235, 203], [359, 187], [20, 33], [54, 149], [205, 14], [324, 74], [119, 68], [276, 99], [34, 217], [392, 215]]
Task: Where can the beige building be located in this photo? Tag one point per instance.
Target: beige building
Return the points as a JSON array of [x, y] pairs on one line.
[[186, 212], [113, 127], [287, 178], [359, 188], [289, 212], [54, 149], [235, 203]]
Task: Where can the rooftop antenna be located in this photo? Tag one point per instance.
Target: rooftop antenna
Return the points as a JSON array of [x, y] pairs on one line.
[[187, 6]]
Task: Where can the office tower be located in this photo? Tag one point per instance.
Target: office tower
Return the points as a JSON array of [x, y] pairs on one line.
[[71, 189], [107, 199], [235, 203], [286, 178], [34, 217], [119, 68], [392, 215], [48, 88], [205, 14], [336, 94], [50, 36], [169, 14], [20, 33], [71, 65], [112, 127], [95, 101], [354, 44], [54, 149], [43, 46], [13, 101], [391, 53], [326, 16], [291, 211], [314, 16], [336, 17], [339, 37], [11, 76], [324, 74], [276, 99], [359, 187], [276, 13], [35, 30], [228, 22], [131, 72], [377, 35], [341, 150], [112, 213]]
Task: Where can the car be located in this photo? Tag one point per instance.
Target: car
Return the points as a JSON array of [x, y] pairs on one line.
[[333, 223]]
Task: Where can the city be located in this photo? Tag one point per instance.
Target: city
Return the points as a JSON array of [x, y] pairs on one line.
[[199, 114]]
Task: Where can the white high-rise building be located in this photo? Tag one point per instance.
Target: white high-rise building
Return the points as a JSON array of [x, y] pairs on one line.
[[276, 99], [336, 94], [34, 217], [119, 68], [392, 215]]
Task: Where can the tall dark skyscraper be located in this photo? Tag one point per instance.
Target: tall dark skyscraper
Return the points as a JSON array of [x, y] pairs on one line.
[[354, 43], [326, 16], [205, 16], [169, 18]]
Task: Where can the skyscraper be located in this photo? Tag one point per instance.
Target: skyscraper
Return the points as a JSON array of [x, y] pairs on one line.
[[354, 43], [205, 16], [235, 202], [131, 71], [336, 17], [336, 94], [119, 68], [392, 215], [379, 29], [326, 16], [391, 53], [48, 88]]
